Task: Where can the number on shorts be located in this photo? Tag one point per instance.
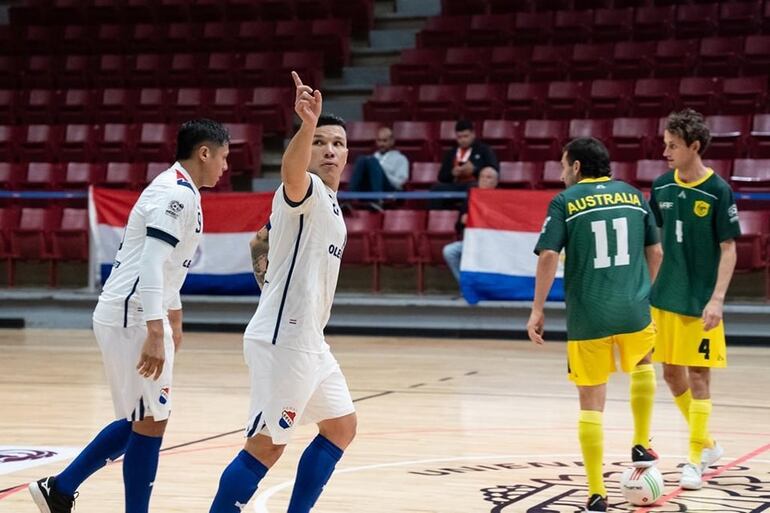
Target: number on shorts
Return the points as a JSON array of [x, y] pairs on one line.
[[603, 259], [705, 348]]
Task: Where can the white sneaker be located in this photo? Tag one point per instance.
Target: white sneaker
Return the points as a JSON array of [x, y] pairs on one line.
[[709, 456], [691, 477]]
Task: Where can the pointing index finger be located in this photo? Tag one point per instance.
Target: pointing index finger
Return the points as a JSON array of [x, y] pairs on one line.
[[297, 80]]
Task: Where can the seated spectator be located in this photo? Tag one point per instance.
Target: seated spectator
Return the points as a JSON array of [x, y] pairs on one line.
[[462, 165], [385, 170], [488, 179]]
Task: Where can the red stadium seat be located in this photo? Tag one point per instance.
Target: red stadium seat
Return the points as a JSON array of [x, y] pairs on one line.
[[259, 69], [122, 175], [675, 57], [110, 37], [488, 30], [647, 171], [116, 142], [41, 106], [720, 56], [245, 149], [254, 34], [591, 61], [598, 128], [181, 36], [701, 94], [653, 23], [220, 69], [520, 174], [398, 241], [31, 240], [9, 219], [361, 138], [227, 104], [610, 98], [436, 102], [76, 106], [463, 65], [739, 18], [11, 175], [149, 70], [613, 24], [216, 35], [152, 104], [751, 174], [443, 31], [759, 142], [190, 103], [79, 175], [447, 137], [655, 96], [509, 63], [112, 71], [566, 99], [533, 28], [441, 230], [632, 59], [756, 55], [40, 71], [185, 69], [624, 171], [572, 26], [268, 106], [423, 175], [483, 101], [744, 95], [41, 143], [542, 139], [70, 239], [631, 137], [501, 136], [79, 143], [390, 103], [332, 38], [728, 136], [418, 66], [722, 167], [146, 37], [696, 20], [39, 38], [152, 171], [360, 245], [41, 175], [155, 142], [9, 106], [309, 65], [552, 171], [76, 72], [9, 142], [416, 139], [549, 62], [524, 100], [753, 246]]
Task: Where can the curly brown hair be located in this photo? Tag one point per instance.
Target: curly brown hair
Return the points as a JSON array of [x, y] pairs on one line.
[[690, 126]]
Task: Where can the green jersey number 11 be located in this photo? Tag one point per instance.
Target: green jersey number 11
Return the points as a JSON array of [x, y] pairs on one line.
[[603, 259]]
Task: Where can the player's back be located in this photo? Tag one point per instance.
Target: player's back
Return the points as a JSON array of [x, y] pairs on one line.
[[168, 209], [607, 284]]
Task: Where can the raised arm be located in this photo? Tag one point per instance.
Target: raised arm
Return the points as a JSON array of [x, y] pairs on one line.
[[259, 247], [296, 158]]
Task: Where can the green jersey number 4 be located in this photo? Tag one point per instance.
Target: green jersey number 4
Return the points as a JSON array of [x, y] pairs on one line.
[[603, 259]]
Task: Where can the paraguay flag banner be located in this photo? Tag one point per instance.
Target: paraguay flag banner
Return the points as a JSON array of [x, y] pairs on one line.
[[222, 263], [498, 260]]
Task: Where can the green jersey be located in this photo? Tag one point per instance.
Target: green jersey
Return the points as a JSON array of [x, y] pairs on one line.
[[605, 226], [695, 218]]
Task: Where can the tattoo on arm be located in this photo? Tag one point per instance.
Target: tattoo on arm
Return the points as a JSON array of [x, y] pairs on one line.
[[259, 246]]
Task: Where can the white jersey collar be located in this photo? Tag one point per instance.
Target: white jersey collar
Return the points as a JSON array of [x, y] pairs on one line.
[[185, 179]]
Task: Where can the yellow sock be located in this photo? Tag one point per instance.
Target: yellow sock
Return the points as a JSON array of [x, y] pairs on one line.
[[700, 411], [592, 445], [642, 399], [683, 402]]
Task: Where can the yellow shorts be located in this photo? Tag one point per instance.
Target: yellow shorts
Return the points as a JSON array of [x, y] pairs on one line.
[[590, 362], [682, 341]]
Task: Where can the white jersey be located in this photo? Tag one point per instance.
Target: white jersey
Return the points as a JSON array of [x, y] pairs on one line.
[[306, 241], [169, 209]]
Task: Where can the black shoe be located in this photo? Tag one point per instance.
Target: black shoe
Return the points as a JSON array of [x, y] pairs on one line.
[[642, 457], [596, 504], [46, 497]]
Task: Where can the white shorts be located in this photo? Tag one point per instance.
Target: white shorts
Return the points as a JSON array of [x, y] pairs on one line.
[[133, 396], [290, 387]]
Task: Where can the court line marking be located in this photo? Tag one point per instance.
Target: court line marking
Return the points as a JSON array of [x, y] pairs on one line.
[[678, 491]]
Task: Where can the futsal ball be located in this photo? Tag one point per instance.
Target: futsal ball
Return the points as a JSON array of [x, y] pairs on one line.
[[642, 486]]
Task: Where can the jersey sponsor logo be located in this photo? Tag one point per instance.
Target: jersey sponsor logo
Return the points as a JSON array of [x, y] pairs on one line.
[[683, 195], [732, 213], [163, 399], [666, 205], [174, 208], [701, 208], [335, 207], [602, 200], [335, 251], [545, 224], [287, 418]]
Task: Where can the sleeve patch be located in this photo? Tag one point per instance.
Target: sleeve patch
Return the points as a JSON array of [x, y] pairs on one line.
[[174, 208]]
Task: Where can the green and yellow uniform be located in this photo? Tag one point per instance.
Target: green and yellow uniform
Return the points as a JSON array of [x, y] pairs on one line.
[[604, 226], [695, 218]]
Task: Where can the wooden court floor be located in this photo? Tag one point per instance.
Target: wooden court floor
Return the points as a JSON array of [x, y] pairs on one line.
[[444, 426]]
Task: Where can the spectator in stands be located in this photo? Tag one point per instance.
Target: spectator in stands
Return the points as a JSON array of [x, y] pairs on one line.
[[385, 170], [461, 165], [488, 179]]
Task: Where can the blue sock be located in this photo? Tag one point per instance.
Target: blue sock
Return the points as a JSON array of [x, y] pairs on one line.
[[140, 465], [315, 468], [109, 444], [238, 483]]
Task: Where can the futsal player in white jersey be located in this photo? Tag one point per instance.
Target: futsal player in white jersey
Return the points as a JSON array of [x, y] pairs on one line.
[[138, 321], [294, 377]]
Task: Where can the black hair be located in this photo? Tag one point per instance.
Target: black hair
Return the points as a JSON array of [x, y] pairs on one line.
[[690, 126], [592, 154], [462, 125], [330, 120], [196, 132]]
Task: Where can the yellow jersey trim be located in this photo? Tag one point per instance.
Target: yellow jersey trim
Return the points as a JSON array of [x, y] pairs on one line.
[[696, 183], [595, 180]]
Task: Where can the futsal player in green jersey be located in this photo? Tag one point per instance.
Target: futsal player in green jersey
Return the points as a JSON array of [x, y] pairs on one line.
[[696, 210], [612, 253]]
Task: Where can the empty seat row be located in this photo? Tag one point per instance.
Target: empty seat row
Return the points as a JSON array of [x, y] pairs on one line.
[[463, 7], [562, 99], [600, 25], [269, 106], [119, 142], [60, 12], [537, 139], [732, 56], [160, 70], [80, 175], [329, 37]]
